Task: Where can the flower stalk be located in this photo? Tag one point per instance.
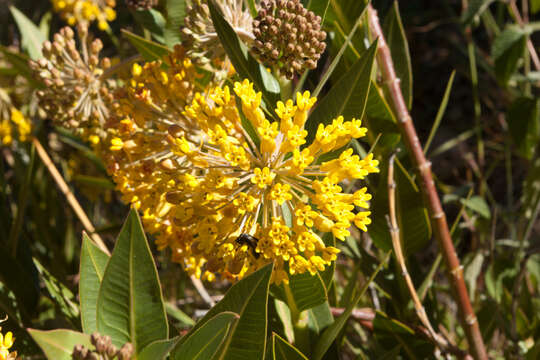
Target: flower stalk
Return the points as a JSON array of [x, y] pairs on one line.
[[427, 186]]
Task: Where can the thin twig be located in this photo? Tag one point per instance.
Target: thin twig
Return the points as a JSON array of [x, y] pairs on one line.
[[530, 46], [438, 340], [64, 188], [427, 186], [202, 291]]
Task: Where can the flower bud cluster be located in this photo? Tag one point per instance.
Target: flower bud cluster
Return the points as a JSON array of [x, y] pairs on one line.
[[86, 11], [75, 95], [288, 36], [201, 39], [104, 350], [141, 4]]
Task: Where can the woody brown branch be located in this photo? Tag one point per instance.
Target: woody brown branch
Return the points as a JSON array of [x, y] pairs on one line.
[[429, 192]]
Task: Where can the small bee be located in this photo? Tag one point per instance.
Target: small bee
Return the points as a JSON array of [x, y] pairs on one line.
[[250, 241]]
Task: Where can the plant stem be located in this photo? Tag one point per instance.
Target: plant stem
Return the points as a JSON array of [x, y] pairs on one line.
[[427, 186], [64, 188]]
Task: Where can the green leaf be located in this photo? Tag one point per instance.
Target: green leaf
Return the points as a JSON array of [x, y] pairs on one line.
[[178, 314], [319, 7], [31, 37], [507, 49], [307, 291], [440, 112], [319, 317], [399, 48], [413, 220], [149, 50], [58, 344], [535, 6], [331, 332], [130, 304], [45, 24], [244, 64], [60, 294], [282, 350], [176, 12], [204, 343], [20, 276], [390, 332], [249, 299], [158, 350], [92, 268], [524, 124], [348, 97], [151, 20], [478, 205], [475, 8]]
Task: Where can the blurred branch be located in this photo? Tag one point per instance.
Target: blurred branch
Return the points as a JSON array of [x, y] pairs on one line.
[[427, 186], [64, 188]]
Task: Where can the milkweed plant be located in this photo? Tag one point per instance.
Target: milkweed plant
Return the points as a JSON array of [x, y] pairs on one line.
[[280, 203]]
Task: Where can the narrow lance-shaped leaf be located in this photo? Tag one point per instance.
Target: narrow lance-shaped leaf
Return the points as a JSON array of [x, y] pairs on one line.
[[414, 225], [92, 268], [151, 20], [149, 50], [329, 335], [158, 350], [31, 37], [399, 48], [176, 11], [249, 299], [244, 64], [282, 350], [58, 344], [203, 343], [507, 49], [307, 291], [347, 97], [130, 304]]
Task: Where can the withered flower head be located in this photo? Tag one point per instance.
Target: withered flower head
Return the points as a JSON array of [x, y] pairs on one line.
[[200, 37], [141, 4], [288, 37], [75, 94]]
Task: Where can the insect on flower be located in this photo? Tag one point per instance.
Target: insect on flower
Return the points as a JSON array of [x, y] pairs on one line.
[[251, 241]]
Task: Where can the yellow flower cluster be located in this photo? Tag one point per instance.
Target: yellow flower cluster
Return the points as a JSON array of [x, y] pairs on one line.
[[23, 127], [6, 342], [86, 11], [226, 188], [147, 106]]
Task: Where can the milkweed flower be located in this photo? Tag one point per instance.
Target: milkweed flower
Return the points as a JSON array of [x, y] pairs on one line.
[[6, 342], [76, 95], [234, 189], [86, 11], [14, 126], [148, 108]]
